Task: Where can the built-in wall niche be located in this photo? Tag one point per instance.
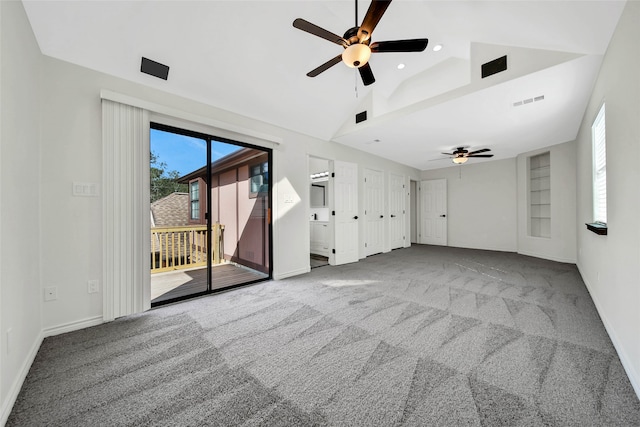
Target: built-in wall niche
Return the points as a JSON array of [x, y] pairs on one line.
[[540, 195]]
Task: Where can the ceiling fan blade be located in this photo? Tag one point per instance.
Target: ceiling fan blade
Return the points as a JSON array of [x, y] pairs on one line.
[[371, 19], [483, 150], [310, 28], [366, 74], [324, 67], [411, 45], [479, 155], [449, 154]]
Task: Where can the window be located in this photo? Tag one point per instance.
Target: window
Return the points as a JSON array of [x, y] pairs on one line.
[[194, 196], [599, 136], [259, 179]]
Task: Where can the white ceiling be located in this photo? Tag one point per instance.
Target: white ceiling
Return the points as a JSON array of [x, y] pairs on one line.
[[246, 57]]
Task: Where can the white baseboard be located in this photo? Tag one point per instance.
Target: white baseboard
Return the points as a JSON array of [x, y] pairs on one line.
[[634, 376], [279, 276], [72, 326], [14, 390], [550, 258]]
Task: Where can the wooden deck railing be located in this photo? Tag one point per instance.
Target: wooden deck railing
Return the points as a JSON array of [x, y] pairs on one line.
[[177, 248]]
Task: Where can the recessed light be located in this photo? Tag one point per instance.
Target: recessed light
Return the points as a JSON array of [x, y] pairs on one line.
[[400, 66], [437, 47]]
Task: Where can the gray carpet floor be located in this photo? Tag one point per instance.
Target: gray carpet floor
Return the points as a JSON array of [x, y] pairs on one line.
[[425, 336]]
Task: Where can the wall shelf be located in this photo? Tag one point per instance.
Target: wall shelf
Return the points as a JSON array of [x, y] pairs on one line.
[[540, 195]]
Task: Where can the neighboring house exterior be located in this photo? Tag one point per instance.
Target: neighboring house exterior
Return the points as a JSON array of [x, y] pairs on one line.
[[239, 201]]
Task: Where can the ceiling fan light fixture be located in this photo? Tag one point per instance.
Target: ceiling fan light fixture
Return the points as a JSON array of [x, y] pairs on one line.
[[356, 55], [459, 160]]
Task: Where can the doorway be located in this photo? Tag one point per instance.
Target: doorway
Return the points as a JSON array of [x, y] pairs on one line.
[[319, 212], [210, 214]]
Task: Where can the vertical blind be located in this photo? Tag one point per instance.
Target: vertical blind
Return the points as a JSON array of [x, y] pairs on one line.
[[598, 131], [126, 219]]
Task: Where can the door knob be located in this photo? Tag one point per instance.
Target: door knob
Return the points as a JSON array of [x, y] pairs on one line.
[[381, 216], [355, 217], [393, 216], [442, 216]]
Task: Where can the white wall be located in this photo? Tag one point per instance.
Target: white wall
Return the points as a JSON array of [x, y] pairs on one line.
[[609, 264], [481, 203], [71, 234], [561, 246], [20, 293], [50, 238]]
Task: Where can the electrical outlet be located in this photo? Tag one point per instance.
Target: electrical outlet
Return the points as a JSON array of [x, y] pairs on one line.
[[51, 293], [93, 286]]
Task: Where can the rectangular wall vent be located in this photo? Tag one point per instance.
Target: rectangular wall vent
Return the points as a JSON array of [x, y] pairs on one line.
[[493, 67], [154, 68], [361, 117]]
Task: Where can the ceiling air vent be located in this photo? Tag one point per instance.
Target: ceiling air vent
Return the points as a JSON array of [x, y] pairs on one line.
[[361, 117], [529, 101], [154, 68], [494, 67]]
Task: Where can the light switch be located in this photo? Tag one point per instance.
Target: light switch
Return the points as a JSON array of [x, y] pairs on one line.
[[85, 189]]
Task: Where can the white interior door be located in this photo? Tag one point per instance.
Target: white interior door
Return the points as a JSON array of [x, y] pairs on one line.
[[397, 215], [433, 212], [374, 211], [346, 209]]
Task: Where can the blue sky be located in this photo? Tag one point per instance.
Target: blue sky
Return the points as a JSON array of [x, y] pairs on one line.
[[184, 153]]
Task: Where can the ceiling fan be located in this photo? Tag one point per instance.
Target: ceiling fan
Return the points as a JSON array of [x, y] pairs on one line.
[[357, 42], [460, 155]]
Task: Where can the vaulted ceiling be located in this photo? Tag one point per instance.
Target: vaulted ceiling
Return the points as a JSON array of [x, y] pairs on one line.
[[246, 57]]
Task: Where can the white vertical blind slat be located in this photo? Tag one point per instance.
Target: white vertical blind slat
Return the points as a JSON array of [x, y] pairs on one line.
[[126, 260]]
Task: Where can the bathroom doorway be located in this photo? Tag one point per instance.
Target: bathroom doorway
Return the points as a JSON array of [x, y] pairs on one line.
[[320, 226]]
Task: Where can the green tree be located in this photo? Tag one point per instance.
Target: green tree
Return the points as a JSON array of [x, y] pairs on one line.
[[163, 181]]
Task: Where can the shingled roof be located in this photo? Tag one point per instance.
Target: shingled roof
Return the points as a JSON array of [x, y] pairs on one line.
[[171, 211]]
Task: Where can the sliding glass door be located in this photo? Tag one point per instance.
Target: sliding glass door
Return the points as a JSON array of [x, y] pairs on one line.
[[210, 214]]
